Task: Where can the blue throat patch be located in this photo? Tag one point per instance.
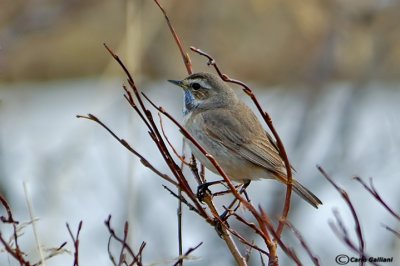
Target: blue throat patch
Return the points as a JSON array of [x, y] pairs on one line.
[[189, 102]]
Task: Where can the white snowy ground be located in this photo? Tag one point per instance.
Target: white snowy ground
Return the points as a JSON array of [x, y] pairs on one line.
[[76, 171]]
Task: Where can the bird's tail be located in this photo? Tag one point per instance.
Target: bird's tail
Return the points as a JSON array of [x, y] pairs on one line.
[[306, 194]]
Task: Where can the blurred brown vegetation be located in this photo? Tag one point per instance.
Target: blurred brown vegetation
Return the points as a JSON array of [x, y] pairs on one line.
[[268, 40]]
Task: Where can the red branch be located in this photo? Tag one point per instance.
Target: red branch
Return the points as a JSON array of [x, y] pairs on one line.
[[185, 56], [268, 121], [75, 240], [345, 196], [371, 189]]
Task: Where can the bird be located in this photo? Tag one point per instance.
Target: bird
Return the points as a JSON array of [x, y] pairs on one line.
[[230, 131]]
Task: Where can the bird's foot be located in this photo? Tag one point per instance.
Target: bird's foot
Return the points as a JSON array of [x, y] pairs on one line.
[[202, 191]]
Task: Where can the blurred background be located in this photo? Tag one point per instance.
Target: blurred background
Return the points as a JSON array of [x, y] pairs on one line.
[[326, 71]]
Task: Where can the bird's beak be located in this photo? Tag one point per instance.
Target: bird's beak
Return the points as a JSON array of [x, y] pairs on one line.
[[177, 82]]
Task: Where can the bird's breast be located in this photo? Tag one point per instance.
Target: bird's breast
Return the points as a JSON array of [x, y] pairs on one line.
[[234, 165]]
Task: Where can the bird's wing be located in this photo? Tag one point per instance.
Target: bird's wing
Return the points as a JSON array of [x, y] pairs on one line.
[[242, 133]]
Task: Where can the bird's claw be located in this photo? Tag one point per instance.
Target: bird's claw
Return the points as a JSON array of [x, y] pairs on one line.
[[202, 191]]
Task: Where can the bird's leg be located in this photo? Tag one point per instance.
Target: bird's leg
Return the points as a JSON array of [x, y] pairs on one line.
[[225, 215], [203, 189]]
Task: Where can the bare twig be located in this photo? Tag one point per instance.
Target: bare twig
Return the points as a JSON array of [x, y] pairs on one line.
[[75, 240], [195, 171], [249, 250], [371, 189], [110, 255], [136, 258], [396, 233], [14, 252], [185, 56], [53, 252], [346, 198], [248, 243], [268, 121], [125, 239], [143, 160], [156, 136], [341, 232], [288, 251], [188, 65], [180, 210], [303, 243], [182, 199], [35, 232], [181, 158], [190, 250]]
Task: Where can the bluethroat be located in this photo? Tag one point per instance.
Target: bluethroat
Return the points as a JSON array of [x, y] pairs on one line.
[[228, 130]]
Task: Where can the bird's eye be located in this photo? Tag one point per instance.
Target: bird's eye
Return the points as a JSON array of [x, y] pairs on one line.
[[195, 86]]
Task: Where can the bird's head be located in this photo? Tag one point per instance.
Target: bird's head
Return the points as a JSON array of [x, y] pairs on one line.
[[205, 91]]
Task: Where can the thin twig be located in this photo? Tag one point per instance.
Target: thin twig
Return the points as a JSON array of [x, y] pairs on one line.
[[288, 251], [249, 250], [341, 232], [110, 255], [75, 240], [303, 243], [185, 56], [35, 232], [54, 252], [125, 239], [346, 198], [248, 243], [396, 233], [180, 210], [195, 171], [143, 160], [188, 65], [371, 189], [182, 199], [190, 250], [156, 136], [182, 159], [15, 252], [268, 120], [136, 258]]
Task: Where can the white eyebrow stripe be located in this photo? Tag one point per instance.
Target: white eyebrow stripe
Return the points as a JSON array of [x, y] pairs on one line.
[[203, 83]]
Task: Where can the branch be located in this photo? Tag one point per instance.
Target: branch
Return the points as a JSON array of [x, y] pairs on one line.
[[346, 198], [182, 199], [16, 253], [268, 121], [341, 232], [143, 160], [188, 65], [181, 158], [186, 134], [396, 233], [155, 134], [136, 258], [185, 56], [75, 240], [371, 189], [303, 243], [190, 250]]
